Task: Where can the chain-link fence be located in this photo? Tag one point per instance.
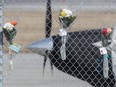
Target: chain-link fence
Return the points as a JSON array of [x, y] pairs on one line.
[[83, 60]]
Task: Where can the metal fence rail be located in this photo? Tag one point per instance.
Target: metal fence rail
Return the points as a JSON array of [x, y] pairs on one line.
[[83, 60]]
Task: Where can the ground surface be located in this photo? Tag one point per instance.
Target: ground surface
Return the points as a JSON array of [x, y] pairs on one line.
[[27, 72]]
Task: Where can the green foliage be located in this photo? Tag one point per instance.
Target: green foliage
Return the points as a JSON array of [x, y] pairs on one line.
[[66, 21], [105, 41], [10, 34]]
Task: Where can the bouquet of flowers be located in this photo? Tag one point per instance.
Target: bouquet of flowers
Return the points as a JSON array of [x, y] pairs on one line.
[[66, 18], [10, 32], [106, 36], [105, 33], [108, 46]]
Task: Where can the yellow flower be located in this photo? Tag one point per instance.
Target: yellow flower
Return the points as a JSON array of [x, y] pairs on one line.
[[63, 14]]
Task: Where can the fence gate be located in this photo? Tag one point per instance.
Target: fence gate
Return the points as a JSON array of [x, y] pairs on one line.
[[73, 59]]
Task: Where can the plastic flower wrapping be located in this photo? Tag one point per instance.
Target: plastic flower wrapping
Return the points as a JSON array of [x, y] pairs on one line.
[[112, 48], [107, 47], [10, 32], [105, 33], [66, 19]]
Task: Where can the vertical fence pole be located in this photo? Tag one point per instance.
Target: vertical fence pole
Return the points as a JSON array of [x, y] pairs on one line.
[[48, 18], [1, 44], [48, 28]]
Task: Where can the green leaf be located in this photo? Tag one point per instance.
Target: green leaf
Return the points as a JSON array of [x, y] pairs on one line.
[[67, 20], [9, 34]]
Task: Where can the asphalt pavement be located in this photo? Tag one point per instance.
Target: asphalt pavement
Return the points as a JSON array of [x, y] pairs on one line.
[[28, 72]]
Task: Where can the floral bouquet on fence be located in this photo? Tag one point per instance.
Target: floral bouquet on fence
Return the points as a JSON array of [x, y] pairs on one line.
[[105, 38], [105, 33], [10, 32], [107, 46], [66, 19]]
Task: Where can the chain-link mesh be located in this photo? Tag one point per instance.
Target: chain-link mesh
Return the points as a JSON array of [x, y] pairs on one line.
[[83, 60]]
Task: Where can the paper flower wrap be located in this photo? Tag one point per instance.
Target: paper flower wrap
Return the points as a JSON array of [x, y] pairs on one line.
[[105, 37]]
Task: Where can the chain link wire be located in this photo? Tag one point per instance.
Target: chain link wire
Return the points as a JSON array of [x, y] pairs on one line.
[[83, 60]]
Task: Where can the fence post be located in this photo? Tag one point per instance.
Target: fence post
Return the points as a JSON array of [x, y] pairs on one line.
[[48, 24], [48, 28], [1, 44]]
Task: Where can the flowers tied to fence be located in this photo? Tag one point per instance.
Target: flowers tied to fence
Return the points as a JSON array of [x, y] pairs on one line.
[[10, 32], [105, 37], [105, 46], [66, 18]]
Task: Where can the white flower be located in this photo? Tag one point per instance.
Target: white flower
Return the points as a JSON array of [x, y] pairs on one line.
[[68, 15], [64, 10], [61, 17], [68, 12], [8, 26]]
